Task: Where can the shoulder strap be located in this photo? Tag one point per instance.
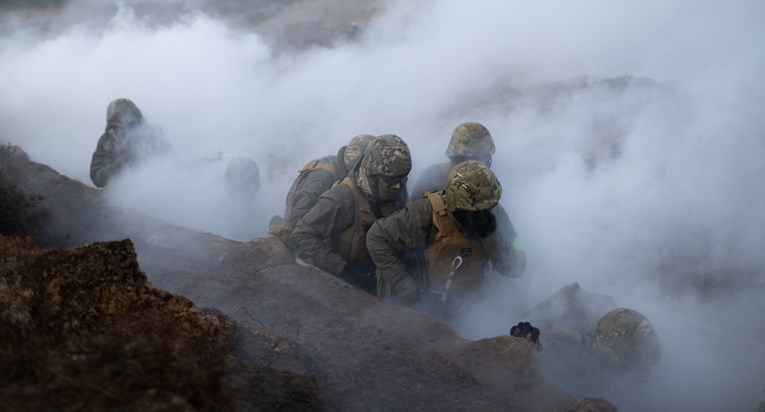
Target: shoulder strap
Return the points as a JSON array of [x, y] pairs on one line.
[[439, 212], [437, 202], [361, 201]]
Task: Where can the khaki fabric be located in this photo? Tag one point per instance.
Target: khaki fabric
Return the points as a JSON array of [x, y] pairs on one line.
[[314, 178], [407, 229], [390, 238], [448, 244], [333, 232]]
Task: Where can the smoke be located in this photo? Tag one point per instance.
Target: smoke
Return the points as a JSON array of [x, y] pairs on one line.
[[629, 142]]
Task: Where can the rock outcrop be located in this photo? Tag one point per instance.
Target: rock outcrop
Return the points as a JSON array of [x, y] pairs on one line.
[[291, 334]]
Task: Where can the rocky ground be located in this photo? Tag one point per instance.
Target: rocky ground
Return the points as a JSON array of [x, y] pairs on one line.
[[110, 324]]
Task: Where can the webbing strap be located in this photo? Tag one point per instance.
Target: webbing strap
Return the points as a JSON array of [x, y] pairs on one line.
[[437, 201]]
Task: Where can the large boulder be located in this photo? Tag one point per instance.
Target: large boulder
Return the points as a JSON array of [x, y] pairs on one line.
[[82, 328], [309, 327]]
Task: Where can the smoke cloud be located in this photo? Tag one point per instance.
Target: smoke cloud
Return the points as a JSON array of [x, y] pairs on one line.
[[629, 144]]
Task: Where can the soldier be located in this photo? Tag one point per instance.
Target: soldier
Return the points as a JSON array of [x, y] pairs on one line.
[[435, 251], [586, 350], [318, 176], [315, 178], [242, 178], [470, 141], [332, 235], [127, 141]]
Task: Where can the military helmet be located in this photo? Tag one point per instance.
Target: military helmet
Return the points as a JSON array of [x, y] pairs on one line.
[[386, 156], [471, 185], [122, 112], [242, 175], [626, 339], [355, 149], [472, 141]]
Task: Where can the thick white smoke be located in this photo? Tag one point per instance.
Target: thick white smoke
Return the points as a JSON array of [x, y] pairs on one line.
[[647, 187]]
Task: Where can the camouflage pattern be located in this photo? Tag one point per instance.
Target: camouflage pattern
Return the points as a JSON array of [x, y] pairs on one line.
[[314, 178], [332, 235], [317, 177], [127, 140], [387, 155], [355, 149], [242, 176], [471, 185], [573, 356], [626, 339], [122, 113], [471, 140]]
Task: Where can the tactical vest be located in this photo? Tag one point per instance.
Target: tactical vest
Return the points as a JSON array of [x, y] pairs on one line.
[[317, 164], [450, 242], [351, 243]]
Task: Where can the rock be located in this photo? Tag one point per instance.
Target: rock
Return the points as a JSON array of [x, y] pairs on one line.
[[258, 254], [591, 405], [82, 328], [302, 339]]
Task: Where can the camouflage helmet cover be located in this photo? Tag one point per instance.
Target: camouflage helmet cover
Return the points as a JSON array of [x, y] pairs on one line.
[[355, 149], [122, 112], [471, 185], [242, 174], [471, 140], [386, 155], [624, 338]]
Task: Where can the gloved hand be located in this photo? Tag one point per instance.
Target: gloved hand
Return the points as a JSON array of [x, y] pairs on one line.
[[481, 223], [525, 330]]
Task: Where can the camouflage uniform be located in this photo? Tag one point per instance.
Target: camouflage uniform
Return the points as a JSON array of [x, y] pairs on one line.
[[469, 141], [242, 177], [127, 141], [318, 176], [430, 225], [590, 343], [332, 235]]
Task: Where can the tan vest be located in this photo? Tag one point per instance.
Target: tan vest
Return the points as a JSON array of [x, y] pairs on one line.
[[449, 243], [302, 173], [351, 243]]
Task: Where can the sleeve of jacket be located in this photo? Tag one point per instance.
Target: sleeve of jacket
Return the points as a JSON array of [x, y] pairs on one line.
[[307, 193], [107, 160], [334, 211], [503, 247], [390, 237]]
